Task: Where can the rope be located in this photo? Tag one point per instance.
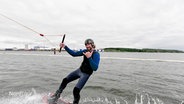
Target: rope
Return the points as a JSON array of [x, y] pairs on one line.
[[30, 29]]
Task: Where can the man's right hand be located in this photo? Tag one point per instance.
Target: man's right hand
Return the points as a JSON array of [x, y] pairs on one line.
[[62, 45]]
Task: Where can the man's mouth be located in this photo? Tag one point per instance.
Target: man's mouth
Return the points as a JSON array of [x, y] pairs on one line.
[[88, 48]]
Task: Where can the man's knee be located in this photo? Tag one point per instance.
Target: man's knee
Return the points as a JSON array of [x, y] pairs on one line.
[[63, 84], [76, 92]]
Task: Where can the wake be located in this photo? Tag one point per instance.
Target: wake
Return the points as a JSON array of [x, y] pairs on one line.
[[113, 58], [142, 59], [35, 98]]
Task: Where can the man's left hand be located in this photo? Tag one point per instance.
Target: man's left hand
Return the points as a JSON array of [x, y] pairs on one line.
[[88, 54]]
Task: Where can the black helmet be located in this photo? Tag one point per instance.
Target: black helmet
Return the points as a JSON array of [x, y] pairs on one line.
[[89, 41]]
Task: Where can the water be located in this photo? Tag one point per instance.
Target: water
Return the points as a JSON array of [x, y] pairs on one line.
[[122, 78]]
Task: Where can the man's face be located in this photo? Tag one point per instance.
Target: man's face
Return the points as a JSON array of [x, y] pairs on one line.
[[89, 47]]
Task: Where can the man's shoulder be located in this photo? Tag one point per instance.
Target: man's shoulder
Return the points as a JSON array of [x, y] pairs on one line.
[[96, 52], [83, 50]]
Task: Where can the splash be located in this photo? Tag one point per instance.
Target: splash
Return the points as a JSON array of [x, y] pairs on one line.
[[138, 99], [32, 97], [147, 99], [22, 98], [99, 101]]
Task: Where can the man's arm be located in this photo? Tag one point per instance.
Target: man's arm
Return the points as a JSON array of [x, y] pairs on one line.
[[73, 53]]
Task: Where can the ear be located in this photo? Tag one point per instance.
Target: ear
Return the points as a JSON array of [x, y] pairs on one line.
[[93, 46]]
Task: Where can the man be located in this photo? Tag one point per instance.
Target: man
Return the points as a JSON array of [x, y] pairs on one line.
[[91, 59]]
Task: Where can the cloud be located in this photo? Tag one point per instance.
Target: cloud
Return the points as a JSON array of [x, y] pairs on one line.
[[111, 23]]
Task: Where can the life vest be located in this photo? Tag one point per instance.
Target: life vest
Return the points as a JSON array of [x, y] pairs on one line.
[[85, 66]]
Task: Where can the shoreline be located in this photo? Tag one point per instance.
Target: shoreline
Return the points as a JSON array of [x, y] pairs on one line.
[[144, 50]]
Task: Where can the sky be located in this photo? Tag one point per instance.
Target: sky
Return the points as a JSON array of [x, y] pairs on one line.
[[110, 23]]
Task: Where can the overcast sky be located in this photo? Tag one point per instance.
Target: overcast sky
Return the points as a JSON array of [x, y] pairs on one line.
[[110, 23]]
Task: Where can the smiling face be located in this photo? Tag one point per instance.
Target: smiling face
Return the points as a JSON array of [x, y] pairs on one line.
[[89, 43], [89, 47]]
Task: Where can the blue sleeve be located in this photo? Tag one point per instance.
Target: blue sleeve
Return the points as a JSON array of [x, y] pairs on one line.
[[74, 53], [94, 62]]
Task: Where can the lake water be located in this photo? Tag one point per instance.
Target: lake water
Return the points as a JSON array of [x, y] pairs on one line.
[[122, 78]]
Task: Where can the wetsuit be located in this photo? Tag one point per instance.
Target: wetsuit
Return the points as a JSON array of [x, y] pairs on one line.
[[83, 72]]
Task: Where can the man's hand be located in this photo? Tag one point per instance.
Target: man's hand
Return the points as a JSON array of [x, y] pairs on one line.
[[88, 54], [62, 45]]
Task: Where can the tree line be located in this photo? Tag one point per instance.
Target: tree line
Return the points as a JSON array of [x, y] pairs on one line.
[[141, 50]]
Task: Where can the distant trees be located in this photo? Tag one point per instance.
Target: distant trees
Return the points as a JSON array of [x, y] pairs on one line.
[[141, 50]]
